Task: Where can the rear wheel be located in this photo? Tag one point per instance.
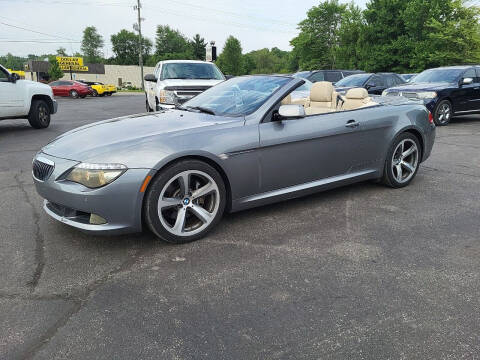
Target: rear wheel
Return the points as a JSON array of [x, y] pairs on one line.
[[403, 160], [185, 201], [74, 94], [94, 93], [443, 113], [39, 116]]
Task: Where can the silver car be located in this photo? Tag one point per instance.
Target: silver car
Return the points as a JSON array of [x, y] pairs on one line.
[[238, 145]]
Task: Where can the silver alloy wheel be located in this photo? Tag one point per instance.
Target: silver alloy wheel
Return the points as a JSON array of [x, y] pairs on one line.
[[405, 161], [444, 113], [42, 114], [74, 94], [188, 203]]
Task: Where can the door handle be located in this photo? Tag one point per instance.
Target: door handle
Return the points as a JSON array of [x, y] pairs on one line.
[[352, 124]]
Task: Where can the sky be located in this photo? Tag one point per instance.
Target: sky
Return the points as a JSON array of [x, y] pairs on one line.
[[42, 26]]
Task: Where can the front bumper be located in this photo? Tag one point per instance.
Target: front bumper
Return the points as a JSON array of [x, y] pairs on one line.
[[119, 203]]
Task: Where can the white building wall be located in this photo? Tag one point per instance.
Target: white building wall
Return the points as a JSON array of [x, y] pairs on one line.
[[114, 74]]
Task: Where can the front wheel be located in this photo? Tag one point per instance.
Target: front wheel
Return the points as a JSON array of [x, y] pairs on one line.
[[403, 160], [39, 116], [94, 93], [185, 201], [443, 113], [74, 94], [109, 94]]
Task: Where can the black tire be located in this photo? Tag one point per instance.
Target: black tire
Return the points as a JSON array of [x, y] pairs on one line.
[[147, 106], [154, 191], [102, 95], [389, 177], [439, 117], [94, 93], [39, 115], [109, 94], [73, 94]]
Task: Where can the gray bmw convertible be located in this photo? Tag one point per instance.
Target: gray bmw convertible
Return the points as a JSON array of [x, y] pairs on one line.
[[240, 144]]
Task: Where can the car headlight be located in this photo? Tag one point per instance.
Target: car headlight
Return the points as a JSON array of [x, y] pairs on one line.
[[95, 175], [427, 95], [166, 97]]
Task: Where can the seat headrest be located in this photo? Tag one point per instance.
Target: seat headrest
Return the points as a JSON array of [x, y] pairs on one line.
[[321, 91], [357, 93]]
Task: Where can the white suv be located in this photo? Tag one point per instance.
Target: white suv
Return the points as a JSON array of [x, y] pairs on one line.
[[176, 81], [24, 99]]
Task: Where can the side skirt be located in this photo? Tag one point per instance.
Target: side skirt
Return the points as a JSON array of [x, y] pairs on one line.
[[296, 191]]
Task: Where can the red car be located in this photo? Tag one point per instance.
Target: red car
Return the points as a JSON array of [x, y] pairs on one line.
[[73, 89]]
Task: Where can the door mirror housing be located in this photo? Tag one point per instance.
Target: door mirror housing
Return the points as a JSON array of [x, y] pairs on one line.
[[150, 77], [290, 112], [370, 85], [228, 77], [467, 81], [14, 77]]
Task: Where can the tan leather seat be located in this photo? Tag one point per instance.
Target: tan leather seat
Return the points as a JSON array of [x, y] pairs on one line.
[[357, 98], [323, 98], [287, 100]]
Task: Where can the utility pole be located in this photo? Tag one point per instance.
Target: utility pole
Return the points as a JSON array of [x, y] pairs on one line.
[[138, 27]]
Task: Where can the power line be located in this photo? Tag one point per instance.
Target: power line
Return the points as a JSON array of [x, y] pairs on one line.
[[36, 32]]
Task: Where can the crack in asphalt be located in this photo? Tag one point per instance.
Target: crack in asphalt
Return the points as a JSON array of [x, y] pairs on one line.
[[39, 240], [80, 299]]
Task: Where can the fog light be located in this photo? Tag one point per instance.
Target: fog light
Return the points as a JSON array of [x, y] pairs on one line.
[[97, 220]]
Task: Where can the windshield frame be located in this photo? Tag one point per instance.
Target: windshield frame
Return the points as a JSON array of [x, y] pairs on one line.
[[443, 70], [215, 70]]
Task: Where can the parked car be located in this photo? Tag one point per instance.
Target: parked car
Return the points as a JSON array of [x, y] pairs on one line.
[[408, 77], [110, 89], [24, 99], [446, 91], [374, 83], [326, 75], [235, 146], [177, 81], [74, 89], [98, 88]]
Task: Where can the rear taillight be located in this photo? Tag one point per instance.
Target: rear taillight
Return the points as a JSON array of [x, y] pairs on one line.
[[430, 117]]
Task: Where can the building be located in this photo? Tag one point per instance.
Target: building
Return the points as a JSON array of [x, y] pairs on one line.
[[107, 74]]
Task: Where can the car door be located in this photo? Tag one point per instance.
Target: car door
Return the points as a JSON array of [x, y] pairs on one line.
[[376, 85], [471, 101], [11, 96], [294, 152]]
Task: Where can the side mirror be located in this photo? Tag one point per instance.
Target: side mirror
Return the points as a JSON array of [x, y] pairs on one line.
[[291, 112], [228, 77], [150, 77], [467, 81], [370, 85], [14, 77]]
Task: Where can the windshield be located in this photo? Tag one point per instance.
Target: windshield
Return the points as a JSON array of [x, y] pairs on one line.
[[437, 75], [305, 87], [353, 80], [239, 96], [302, 74], [191, 71]]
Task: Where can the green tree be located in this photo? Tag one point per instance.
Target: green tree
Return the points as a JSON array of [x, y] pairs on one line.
[[265, 61], [230, 61], [54, 70], [125, 47], [61, 51], [317, 44], [92, 44], [171, 44], [349, 36], [198, 47]]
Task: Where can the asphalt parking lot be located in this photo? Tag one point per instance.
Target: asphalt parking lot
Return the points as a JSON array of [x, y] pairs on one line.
[[361, 272]]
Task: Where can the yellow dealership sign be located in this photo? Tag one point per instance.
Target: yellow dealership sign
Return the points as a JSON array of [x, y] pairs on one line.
[[68, 63]]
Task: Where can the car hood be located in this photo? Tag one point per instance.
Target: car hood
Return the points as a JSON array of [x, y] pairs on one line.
[[128, 140], [421, 87], [343, 89], [189, 82]]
